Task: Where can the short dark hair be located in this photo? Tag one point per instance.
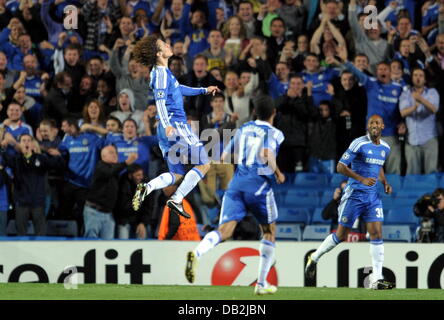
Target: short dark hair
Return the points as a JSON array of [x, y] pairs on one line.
[[245, 2], [132, 120], [71, 121], [19, 139], [200, 56], [133, 168], [116, 120], [311, 54], [145, 50], [278, 19], [174, 58], [217, 95], [263, 107], [48, 122], [360, 54]]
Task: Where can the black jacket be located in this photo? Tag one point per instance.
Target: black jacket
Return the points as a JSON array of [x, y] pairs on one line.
[[105, 185], [123, 212], [30, 177], [57, 106], [292, 118], [322, 139], [199, 105]]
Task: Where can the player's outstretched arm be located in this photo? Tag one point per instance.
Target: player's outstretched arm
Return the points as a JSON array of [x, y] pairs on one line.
[[346, 171]]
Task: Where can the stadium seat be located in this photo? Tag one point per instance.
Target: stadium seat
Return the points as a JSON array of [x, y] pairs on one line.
[[426, 183], [326, 197], [336, 179], [65, 228], [387, 203], [301, 201], [11, 229], [395, 180], [295, 215], [316, 232], [397, 233], [317, 217], [403, 202], [312, 180], [288, 231], [402, 215]]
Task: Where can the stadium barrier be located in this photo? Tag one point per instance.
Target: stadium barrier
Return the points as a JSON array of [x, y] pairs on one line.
[[231, 263]]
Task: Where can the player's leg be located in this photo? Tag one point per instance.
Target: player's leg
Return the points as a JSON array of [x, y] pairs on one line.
[[264, 209], [198, 157], [232, 211], [266, 260], [374, 218], [349, 209], [176, 171]]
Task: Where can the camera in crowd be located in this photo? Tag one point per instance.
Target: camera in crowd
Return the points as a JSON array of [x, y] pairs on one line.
[[426, 205], [431, 212]]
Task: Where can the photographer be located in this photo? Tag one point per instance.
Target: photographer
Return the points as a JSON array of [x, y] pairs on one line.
[[430, 208]]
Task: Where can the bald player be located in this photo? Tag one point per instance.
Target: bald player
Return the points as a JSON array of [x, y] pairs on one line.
[[366, 155]]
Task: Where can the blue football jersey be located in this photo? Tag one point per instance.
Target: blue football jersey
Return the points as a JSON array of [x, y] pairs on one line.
[[366, 159], [320, 81], [430, 16], [84, 152], [139, 145], [168, 94], [382, 99], [252, 175]]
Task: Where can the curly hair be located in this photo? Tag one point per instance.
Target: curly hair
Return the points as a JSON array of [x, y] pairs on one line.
[[145, 50]]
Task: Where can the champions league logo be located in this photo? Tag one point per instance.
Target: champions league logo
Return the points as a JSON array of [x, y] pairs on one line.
[[160, 94]]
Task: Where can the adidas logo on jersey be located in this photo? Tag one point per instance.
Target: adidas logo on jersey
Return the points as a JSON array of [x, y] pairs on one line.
[[370, 152]]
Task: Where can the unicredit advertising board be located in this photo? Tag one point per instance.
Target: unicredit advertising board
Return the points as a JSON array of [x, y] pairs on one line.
[[230, 263]]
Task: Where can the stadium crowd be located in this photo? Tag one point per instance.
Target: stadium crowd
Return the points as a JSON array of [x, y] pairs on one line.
[[66, 95]]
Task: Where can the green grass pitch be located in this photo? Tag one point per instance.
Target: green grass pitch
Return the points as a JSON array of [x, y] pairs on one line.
[[38, 291]]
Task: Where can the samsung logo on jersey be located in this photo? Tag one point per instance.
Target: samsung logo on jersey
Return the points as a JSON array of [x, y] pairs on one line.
[[387, 99], [259, 131], [128, 150], [374, 161], [79, 149]]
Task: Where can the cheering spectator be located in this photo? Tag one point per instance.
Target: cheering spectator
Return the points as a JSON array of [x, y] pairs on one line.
[[246, 13], [126, 109], [102, 197], [218, 121], [275, 42], [350, 101], [216, 55], [93, 118], [326, 39], [129, 74], [322, 141], [106, 96], [30, 167], [196, 31], [131, 224], [7, 72], [419, 106], [113, 125], [81, 151], [15, 127], [320, 77], [238, 96], [128, 142], [294, 14], [235, 40], [199, 77], [367, 40], [69, 61], [294, 108], [57, 103]]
